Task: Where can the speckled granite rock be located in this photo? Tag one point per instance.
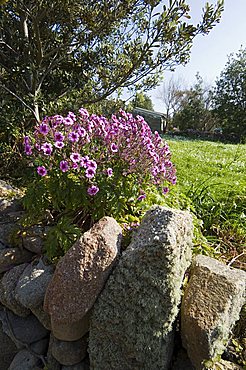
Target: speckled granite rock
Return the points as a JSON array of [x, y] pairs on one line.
[[32, 284], [133, 318], [80, 276], [211, 305]]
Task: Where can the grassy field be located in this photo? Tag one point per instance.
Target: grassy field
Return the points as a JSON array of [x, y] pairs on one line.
[[213, 176]]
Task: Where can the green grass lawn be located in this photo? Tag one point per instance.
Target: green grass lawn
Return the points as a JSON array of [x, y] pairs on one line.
[[213, 176]]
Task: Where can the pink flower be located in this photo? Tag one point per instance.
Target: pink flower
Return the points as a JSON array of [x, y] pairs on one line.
[[114, 147], [64, 166], [93, 190], [84, 113], [81, 131], [165, 190], [92, 164], [90, 173], [141, 197], [59, 144], [109, 172], [73, 137], [75, 157], [84, 161], [28, 149], [47, 148], [44, 129], [41, 170], [68, 121], [58, 136]]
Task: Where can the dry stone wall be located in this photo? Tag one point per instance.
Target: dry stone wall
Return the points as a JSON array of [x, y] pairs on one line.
[[125, 305]]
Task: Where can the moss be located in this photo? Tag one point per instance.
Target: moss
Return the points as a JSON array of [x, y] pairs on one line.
[[132, 322]]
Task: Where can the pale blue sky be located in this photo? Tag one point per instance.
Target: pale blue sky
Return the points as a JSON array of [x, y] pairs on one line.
[[209, 53]]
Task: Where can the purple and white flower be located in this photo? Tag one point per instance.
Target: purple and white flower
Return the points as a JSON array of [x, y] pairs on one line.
[[47, 148], [59, 144], [90, 173], [73, 137], [109, 172], [43, 129], [58, 136], [114, 148], [75, 157], [64, 166], [93, 190], [41, 170]]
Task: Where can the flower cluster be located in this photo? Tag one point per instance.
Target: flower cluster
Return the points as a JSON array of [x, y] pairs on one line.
[[96, 150]]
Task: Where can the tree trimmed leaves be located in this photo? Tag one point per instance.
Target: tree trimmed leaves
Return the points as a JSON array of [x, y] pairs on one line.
[[53, 49]]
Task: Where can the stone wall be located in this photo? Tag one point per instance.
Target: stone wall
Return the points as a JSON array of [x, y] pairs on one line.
[[100, 308]]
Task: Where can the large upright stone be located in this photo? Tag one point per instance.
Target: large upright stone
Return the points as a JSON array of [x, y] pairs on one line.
[[79, 278], [132, 322], [210, 307]]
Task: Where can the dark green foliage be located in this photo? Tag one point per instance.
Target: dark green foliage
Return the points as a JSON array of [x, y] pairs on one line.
[[194, 109], [230, 95], [140, 100], [89, 49]]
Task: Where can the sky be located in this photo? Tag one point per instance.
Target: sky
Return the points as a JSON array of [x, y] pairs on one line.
[[209, 53]]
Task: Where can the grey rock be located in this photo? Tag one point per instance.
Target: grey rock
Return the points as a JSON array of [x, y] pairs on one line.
[[8, 206], [211, 305], [69, 353], [132, 324], [40, 347], [42, 316], [33, 239], [22, 330], [8, 350], [7, 289], [24, 360], [52, 363], [80, 276], [7, 228], [6, 190], [32, 284], [34, 244], [11, 257]]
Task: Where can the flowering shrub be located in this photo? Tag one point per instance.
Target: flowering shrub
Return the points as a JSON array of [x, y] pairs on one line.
[[87, 167]]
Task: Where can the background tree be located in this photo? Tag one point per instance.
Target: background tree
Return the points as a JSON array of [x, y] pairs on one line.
[[140, 100], [230, 95], [194, 108], [88, 49], [170, 94]]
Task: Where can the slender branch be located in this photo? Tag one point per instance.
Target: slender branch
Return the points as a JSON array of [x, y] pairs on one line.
[[21, 100], [235, 258]]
